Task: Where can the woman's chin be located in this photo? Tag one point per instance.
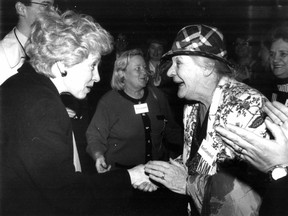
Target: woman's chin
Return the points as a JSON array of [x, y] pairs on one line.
[[180, 93], [80, 95]]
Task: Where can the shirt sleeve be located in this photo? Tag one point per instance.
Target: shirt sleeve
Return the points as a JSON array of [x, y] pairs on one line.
[[98, 130]]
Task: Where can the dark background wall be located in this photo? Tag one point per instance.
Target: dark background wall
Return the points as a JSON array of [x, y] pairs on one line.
[[142, 19]]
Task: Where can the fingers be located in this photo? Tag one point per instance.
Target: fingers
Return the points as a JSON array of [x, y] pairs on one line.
[[151, 170], [174, 162], [162, 164], [157, 167], [276, 111], [101, 166], [232, 138], [277, 132], [146, 186], [158, 179], [282, 108]]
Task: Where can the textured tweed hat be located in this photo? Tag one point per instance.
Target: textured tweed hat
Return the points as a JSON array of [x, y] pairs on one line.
[[199, 40]]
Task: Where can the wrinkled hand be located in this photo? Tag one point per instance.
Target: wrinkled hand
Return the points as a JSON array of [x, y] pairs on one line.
[[258, 151], [172, 175], [101, 165], [140, 180]]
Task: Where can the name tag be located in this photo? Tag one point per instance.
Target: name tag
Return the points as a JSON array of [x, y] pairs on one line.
[[207, 152], [141, 108], [286, 103]]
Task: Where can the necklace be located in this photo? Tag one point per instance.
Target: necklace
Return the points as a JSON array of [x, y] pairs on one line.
[[26, 56]]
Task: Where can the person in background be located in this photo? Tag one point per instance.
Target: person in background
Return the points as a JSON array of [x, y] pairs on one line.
[[159, 79], [279, 63], [130, 125], [269, 156], [40, 165], [154, 53], [121, 44], [208, 171], [106, 66], [12, 53], [244, 58], [131, 120], [262, 77]]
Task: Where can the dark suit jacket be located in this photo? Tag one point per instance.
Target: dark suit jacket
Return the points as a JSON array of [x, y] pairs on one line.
[[38, 175], [275, 200]]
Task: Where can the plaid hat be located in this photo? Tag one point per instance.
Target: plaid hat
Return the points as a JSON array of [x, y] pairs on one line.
[[199, 40]]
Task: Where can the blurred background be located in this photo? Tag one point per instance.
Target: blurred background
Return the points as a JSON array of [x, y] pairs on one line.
[[143, 19]]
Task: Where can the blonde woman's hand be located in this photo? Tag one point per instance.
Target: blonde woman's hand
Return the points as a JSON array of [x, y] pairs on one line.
[[101, 165]]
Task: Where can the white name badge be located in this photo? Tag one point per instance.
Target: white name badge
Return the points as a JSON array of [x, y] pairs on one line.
[[141, 108], [207, 152], [286, 103]]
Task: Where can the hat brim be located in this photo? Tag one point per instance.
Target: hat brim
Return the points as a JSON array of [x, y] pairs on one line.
[[170, 54]]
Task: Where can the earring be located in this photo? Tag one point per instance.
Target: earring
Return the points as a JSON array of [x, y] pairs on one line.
[[64, 74]]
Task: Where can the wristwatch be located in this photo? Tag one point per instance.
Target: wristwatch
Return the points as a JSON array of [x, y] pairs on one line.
[[278, 172]]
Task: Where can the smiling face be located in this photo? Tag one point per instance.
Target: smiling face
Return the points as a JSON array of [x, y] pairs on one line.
[[81, 77], [188, 75], [135, 75], [279, 58]]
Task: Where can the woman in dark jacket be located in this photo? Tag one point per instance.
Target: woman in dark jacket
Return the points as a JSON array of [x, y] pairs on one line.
[[40, 167]]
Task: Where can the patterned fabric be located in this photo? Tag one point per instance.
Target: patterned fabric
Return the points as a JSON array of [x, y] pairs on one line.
[[232, 103], [200, 40]]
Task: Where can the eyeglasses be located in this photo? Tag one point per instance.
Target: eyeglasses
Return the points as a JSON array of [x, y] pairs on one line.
[[44, 5]]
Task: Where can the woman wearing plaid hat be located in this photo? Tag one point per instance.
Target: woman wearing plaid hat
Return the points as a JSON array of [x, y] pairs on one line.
[[208, 171]]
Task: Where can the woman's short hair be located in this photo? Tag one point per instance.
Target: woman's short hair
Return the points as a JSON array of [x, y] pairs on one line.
[[68, 37], [120, 65]]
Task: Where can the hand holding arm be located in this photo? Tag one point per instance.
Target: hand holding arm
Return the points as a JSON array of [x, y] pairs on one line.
[[172, 175]]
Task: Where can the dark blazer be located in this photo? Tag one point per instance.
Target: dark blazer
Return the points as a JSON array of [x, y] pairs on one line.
[[275, 200], [38, 175]]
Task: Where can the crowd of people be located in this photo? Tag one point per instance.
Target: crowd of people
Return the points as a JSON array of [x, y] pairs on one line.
[[132, 156]]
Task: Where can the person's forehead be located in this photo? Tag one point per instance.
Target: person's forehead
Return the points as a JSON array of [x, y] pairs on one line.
[[155, 44], [44, 1], [181, 57], [280, 43], [136, 59]]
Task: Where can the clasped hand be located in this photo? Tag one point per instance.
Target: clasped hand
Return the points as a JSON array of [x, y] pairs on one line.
[[171, 174], [140, 180]]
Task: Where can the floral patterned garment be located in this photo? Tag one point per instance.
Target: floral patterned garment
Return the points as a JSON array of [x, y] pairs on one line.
[[232, 103]]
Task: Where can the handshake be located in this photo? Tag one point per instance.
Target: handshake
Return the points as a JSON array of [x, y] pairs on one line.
[[140, 179], [148, 177]]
